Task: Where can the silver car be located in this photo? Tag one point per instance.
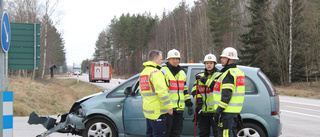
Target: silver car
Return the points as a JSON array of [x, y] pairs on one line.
[[118, 111]]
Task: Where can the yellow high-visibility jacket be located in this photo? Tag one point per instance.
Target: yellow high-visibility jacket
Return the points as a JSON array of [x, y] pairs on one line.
[[238, 91], [154, 91], [206, 93], [178, 90]]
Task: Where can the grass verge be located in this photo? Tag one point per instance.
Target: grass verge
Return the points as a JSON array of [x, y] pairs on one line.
[[302, 89], [48, 97]]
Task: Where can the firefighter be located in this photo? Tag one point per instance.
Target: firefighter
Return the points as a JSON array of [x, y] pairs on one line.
[[154, 91], [178, 91], [205, 102], [229, 93]]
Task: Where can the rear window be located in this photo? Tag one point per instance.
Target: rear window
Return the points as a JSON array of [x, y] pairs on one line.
[[250, 87], [267, 83]]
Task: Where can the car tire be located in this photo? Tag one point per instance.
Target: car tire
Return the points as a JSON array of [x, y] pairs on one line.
[[99, 127], [251, 130]]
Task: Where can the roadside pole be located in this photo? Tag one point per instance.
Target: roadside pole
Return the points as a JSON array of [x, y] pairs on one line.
[[2, 77], [6, 97]]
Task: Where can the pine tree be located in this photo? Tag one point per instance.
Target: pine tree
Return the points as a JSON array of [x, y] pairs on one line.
[[223, 20], [254, 48]]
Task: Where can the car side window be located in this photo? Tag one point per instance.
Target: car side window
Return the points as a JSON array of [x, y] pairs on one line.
[[119, 91], [250, 87]]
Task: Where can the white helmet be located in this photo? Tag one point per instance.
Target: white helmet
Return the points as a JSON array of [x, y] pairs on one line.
[[210, 57], [173, 54], [230, 53]]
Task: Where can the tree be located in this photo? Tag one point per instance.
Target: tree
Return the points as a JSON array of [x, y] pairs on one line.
[[254, 51], [35, 11], [278, 39], [223, 19]]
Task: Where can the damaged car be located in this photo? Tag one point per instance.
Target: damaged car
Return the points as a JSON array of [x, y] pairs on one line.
[[118, 111]]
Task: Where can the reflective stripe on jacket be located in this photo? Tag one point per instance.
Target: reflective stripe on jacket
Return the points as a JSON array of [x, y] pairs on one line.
[[206, 93], [238, 90], [154, 91], [176, 86]]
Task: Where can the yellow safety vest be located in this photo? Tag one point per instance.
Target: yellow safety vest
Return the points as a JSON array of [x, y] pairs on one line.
[[238, 91], [154, 91], [176, 88], [206, 93]]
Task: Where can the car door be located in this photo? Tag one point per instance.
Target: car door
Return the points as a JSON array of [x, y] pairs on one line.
[[188, 125], [134, 120]]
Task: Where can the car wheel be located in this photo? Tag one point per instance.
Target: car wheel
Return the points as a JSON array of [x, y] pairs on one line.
[[251, 130], [99, 128]]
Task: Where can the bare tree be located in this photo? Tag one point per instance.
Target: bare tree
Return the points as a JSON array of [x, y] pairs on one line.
[[50, 9]]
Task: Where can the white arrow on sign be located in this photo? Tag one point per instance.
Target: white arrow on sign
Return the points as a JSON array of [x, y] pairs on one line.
[[5, 28]]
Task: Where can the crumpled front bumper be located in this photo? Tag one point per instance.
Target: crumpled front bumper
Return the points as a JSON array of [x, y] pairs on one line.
[[69, 123]]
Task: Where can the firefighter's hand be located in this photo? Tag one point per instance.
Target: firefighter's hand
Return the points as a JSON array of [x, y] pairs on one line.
[[190, 110], [216, 118], [198, 77], [170, 111], [199, 105], [204, 79]]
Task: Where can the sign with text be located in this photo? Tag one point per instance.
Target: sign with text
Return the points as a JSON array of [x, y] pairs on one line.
[[24, 50]]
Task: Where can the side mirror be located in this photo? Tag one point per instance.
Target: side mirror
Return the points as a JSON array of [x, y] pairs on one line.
[[128, 91]]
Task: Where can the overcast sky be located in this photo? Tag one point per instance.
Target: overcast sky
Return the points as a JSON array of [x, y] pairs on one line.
[[84, 20]]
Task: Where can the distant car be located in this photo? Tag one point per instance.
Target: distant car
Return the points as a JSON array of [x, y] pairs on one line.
[[77, 71], [118, 111]]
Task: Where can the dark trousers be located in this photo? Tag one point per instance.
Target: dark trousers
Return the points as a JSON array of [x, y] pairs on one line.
[[156, 128], [174, 124], [205, 124], [228, 125]]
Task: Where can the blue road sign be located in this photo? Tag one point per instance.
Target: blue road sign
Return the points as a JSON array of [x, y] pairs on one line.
[[5, 32]]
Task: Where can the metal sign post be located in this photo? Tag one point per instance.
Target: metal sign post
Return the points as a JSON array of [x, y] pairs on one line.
[[2, 78], [6, 98]]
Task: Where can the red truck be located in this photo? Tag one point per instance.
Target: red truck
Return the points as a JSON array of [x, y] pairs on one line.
[[100, 71]]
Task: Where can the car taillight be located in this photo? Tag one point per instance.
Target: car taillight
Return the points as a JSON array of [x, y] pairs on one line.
[[273, 113]]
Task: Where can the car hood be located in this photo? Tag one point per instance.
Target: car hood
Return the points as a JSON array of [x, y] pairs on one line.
[[90, 96]]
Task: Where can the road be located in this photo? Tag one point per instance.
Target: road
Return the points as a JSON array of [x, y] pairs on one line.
[[300, 116]]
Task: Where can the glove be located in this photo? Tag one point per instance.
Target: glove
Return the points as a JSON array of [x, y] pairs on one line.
[[190, 110], [189, 103], [204, 79], [217, 115], [216, 118], [198, 77], [199, 105]]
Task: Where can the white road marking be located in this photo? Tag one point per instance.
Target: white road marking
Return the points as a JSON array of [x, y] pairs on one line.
[[300, 113], [316, 105], [304, 108]]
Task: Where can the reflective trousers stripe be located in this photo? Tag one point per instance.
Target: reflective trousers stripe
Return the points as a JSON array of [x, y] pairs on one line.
[[226, 133]]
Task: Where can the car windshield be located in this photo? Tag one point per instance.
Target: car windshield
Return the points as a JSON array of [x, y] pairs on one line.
[[119, 91]]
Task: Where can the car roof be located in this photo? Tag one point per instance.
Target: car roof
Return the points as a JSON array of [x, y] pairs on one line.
[[219, 66]]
